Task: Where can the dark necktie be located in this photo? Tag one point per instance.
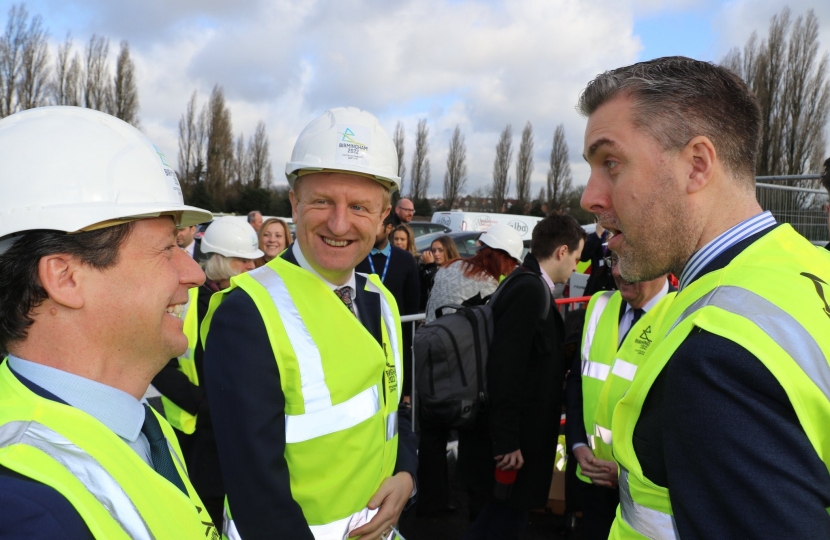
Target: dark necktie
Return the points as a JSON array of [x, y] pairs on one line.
[[638, 314], [159, 451], [345, 294]]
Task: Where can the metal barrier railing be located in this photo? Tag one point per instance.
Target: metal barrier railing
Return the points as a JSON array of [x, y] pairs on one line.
[[565, 305], [803, 208]]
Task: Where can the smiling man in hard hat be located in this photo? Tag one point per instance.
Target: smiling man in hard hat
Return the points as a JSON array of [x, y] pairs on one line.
[[91, 288], [303, 356]]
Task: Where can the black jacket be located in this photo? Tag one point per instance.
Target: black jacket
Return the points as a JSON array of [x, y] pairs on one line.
[[718, 429], [247, 405], [525, 374], [600, 278]]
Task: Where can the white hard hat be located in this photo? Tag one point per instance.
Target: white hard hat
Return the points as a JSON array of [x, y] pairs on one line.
[[505, 238], [345, 139], [231, 237], [72, 169]]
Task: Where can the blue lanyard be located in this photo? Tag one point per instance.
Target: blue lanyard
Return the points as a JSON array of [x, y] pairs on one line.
[[385, 267]]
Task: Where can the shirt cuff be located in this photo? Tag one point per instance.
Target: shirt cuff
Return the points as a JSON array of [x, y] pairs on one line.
[[577, 445]]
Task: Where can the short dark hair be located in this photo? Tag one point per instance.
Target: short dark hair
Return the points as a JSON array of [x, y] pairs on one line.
[[252, 215], [554, 231], [677, 99], [825, 175], [20, 289]]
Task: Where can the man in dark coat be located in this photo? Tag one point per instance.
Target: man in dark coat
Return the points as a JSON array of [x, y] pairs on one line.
[[596, 251], [825, 181], [518, 429]]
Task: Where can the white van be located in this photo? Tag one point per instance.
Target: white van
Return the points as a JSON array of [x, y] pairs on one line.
[[481, 221]]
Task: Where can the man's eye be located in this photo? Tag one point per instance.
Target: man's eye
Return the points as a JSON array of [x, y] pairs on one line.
[[610, 164]]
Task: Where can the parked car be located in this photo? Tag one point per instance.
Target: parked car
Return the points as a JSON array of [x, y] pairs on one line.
[[421, 228]]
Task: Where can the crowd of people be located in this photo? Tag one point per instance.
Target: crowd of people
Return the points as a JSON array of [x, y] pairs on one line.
[[695, 410]]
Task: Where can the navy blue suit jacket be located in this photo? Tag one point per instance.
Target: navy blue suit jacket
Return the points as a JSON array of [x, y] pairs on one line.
[[30, 510], [248, 409]]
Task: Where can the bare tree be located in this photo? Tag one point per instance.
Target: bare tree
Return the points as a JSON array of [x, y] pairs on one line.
[[791, 84], [559, 175], [241, 171], [220, 156], [524, 168], [455, 178], [193, 131], [65, 89], [125, 92], [258, 160], [11, 58], [501, 168], [419, 175], [34, 74], [97, 87], [399, 141]]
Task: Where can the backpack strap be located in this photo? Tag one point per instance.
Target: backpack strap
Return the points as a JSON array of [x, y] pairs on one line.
[[515, 275]]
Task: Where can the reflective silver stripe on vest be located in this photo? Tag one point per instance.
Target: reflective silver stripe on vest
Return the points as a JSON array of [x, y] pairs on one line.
[[779, 325], [94, 477], [593, 322], [595, 370], [391, 425], [304, 427], [228, 526], [604, 434], [316, 394], [646, 521], [623, 369]]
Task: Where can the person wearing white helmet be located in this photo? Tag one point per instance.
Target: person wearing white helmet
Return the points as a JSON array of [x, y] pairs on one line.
[[92, 285], [517, 435], [231, 246], [303, 356]]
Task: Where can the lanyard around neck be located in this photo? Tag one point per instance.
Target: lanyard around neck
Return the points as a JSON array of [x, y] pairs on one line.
[[385, 267]]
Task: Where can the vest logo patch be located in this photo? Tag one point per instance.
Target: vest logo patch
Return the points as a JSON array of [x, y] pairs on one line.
[[644, 341], [818, 283]]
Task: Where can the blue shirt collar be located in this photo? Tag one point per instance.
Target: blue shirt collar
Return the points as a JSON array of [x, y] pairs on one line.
[[705, 255], [118, 410], [385, 251]]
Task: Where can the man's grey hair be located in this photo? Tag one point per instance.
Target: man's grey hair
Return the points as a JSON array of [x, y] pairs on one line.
[[252, 215], [677, 99]]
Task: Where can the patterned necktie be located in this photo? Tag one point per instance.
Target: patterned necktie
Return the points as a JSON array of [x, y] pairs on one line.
[[638, 313], [345, 294], [159, 451]]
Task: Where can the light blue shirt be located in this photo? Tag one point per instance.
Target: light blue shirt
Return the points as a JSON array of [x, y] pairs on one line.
[[385, 251], [702, 257], [119, 411]]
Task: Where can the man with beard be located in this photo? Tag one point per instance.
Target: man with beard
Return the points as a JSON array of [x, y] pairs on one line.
[[616, 336], [722, 434]]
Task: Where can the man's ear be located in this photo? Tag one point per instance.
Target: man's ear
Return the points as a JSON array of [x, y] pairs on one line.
[[292, 196], [700, 157], [561, 252], [61, 277]]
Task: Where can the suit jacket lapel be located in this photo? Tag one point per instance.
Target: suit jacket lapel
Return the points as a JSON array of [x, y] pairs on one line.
[[368, 308]]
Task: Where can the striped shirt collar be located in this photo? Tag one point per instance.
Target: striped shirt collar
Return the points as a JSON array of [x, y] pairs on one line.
[[705, 255]]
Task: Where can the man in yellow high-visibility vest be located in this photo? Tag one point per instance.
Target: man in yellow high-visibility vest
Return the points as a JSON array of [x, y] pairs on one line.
[[92, 286], [723, 431], [303, 357]]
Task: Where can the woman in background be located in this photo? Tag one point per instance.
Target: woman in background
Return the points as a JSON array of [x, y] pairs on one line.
[[404, 238], [442, 250], [274, 238]]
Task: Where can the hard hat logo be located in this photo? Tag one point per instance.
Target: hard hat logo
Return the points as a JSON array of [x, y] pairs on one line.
[[350, 150], [161, 156]]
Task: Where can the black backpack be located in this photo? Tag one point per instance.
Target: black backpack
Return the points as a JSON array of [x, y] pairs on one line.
[[451, 355]]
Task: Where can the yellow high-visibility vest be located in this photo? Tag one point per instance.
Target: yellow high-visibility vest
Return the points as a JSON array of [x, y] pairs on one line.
[[770, 300], [178, 417], [117, 494], [607, 370], [341, 390]]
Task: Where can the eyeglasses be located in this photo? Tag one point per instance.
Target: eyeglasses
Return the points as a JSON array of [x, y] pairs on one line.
[[406, 209], [611, 260]]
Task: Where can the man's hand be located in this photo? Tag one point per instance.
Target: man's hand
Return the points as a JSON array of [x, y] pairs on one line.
[[601, 472], [427, 258], [390, 497], [508, 462]]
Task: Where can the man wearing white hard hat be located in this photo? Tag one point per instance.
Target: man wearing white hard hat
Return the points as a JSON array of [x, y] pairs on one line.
[[515, 439], [231, 245], [303, 356], [92, 285]]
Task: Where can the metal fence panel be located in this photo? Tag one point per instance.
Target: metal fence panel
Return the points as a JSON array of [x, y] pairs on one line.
[[803, 208]]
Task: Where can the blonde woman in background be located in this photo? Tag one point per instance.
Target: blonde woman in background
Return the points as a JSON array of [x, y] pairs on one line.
[[404, 238], [274, 238]]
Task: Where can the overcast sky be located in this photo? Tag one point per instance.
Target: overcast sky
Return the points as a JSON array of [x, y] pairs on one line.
[[478, 64]]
